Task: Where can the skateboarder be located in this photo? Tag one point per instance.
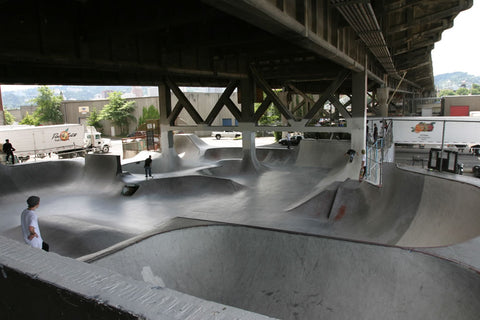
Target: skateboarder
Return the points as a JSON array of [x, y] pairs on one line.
[[350, 153], [148, 167]]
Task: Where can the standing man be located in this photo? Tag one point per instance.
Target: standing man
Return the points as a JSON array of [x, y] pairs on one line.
[[29, 223], [8, 149], [148, 167], [288, 140], [368, 134], [375, 133], [363, 169]]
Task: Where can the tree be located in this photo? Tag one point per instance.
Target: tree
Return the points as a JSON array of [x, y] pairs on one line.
[[119, 111], [94, 119], [462, 91], [446, 92], [9, 119], [148, 113], [475, 89], [48, 106], [30, 120]]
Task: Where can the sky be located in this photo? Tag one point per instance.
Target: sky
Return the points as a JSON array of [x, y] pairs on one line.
[[458, 50]]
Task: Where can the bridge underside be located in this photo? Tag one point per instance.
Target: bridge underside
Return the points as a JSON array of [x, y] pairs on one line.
[[300, 47]]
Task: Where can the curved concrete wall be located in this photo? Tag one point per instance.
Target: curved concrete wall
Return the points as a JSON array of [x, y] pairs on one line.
[[293, 276], [410, 209], [42, 285]]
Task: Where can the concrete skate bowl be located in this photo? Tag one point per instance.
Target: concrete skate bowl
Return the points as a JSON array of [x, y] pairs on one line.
[[95, 170], [215, 154], [184, 186], [31, 176], [292, 276], [72, 237], [323, 153], [189, 146], [410, 209], [264, 154], [234, 168]]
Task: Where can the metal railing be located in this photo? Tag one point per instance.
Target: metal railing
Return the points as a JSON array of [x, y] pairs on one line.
[[374, 162]]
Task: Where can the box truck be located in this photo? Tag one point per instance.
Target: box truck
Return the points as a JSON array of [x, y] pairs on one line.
[[65, 140], [461, 133]]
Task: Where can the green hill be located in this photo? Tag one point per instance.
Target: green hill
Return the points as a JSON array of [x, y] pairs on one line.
[[455, 80]]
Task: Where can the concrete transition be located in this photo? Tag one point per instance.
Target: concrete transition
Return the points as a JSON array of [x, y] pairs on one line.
[[293, 276], [294, 237]]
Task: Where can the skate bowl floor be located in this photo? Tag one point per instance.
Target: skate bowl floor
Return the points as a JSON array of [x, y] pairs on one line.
[[294, 276], [298, 227]]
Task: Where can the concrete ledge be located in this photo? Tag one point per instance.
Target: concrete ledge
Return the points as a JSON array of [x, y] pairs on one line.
[[57, 285]]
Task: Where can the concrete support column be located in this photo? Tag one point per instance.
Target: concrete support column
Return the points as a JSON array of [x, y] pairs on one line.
[[247, 101], [170, 159], [359, 111], [357, 123], [382, 99]]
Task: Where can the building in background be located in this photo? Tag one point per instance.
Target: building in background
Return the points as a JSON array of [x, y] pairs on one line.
[[75, 111]]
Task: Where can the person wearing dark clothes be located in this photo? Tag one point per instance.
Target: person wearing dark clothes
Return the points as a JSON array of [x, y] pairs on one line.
[[8, 149], [148, 167], [350, 153], [375, 132]]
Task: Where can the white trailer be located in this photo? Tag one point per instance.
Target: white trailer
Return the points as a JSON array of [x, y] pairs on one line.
[[447, 132], [66, 140]]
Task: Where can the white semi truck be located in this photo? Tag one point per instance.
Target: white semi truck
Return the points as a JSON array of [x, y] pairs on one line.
[[65, 140], [462, 133]]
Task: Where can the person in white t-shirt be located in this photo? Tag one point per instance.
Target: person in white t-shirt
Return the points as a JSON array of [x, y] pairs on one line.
[[363, 169], [29, 223]]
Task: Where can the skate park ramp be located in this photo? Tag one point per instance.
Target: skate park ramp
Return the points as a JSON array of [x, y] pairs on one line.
[[322, 153], [83, 212], [410, 209], [73, 194], [184, 186], [189, 146], [294, 276], [27, 177]]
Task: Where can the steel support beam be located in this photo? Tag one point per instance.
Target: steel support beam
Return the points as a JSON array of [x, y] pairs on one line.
[[330, 90]]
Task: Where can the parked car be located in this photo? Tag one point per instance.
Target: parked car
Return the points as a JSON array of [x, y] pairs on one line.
[[226, 134], [294, 140], [137, 134]]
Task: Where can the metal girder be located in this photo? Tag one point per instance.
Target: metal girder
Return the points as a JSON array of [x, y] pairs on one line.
[[233, 108], [341, 108], [222, 101], [362, 19], [209, 42], [175, 113], [400, 5], [262, 109], [269, 92], [434, 17], [182, 99], [268, 17], [330, 90], [306, 99]]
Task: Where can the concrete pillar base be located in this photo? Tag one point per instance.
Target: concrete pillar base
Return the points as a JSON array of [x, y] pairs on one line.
[[169, 160], [250, 162]]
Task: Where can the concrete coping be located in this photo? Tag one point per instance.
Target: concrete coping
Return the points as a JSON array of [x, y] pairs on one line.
[[104, 286]]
